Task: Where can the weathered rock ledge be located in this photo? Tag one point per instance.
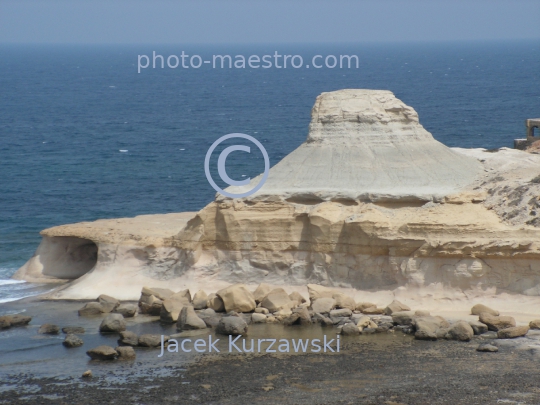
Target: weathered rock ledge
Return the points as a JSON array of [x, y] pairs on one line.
[[370, 202]]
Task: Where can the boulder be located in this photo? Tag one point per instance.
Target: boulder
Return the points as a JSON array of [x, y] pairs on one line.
[[87, 374], [421, 312], [183, 295], [112, 323], [199, 300], [292, 319], [441, 333], [150, 305], [486, 347], [261, 310], [261, 291], [299, 316], [271, 319], [209, 316], [152, 299], [48, 329], [480, 308], [396, 306], [323, 320], [188, 320], [363, 322], [478, 327], [427, 327], [150, 340], [350, 329], [344, 301], [496, 323], [237, 298], [108, 303], [72, 340], [258, 318], [126, 310], [297, 298], [102, 353], [373, 311], [403, 318], [5, 322], [128, 338], [232, 325], [277, 299], [8, 321], [344, 312], [317, 291], [488, 335], [20, 320], [360, 306], [73, 329], [323, 305], [513, 332], [216, 303], [304, 317], [535, 324], [170, 310], [460, 330], [125, 353], [159, 293], [92, 309]]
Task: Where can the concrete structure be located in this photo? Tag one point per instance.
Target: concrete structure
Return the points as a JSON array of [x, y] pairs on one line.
[[524, 143], [531, 124]]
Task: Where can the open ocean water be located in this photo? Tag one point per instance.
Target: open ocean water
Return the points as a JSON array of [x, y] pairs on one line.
[[84, 136]]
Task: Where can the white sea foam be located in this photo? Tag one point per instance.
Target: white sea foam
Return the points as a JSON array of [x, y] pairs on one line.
[[5, 282]]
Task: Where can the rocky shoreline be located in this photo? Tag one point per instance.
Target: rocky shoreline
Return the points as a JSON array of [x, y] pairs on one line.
[[231, 311]]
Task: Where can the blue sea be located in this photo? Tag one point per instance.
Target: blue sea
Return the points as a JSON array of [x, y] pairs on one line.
[[84, 136]]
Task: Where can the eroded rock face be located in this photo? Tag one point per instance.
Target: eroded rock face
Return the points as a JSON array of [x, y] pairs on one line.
[[365, 145], [369, 201]]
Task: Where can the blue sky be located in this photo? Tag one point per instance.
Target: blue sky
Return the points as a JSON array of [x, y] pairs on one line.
[[259, 21]]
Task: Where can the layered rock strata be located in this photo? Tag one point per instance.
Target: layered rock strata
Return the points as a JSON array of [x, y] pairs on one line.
[[369, 202]]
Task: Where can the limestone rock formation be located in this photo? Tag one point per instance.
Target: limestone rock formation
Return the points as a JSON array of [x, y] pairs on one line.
[[370, 201]]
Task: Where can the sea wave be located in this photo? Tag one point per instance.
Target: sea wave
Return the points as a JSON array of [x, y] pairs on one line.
[[5, 282]]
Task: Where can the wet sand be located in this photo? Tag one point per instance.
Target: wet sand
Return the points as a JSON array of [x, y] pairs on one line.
[[385, 368]]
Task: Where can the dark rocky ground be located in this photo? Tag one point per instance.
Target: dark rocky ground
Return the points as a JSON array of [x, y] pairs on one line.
[[365, 372]]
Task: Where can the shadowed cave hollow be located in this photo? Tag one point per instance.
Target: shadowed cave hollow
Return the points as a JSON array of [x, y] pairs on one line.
[[69, 257]]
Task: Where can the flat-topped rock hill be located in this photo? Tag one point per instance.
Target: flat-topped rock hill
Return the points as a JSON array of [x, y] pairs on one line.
[[370, 203], [366, 145]]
